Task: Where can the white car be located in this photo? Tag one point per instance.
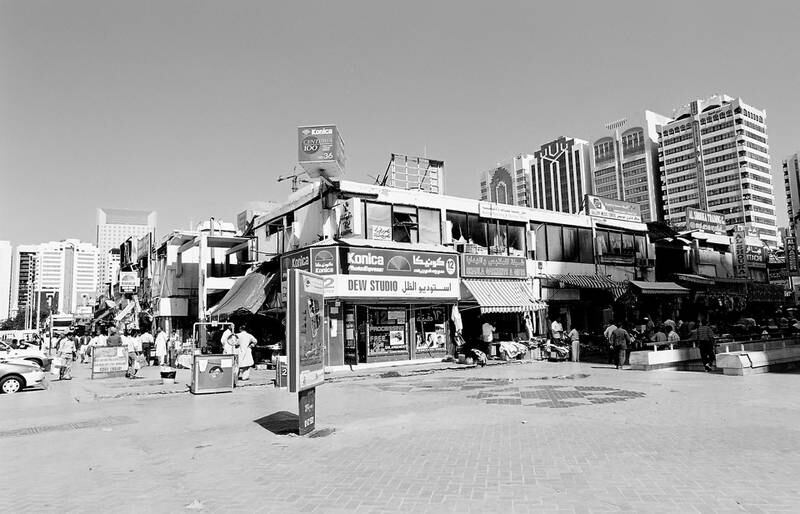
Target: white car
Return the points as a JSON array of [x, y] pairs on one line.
[[16, 375], [25, 351]]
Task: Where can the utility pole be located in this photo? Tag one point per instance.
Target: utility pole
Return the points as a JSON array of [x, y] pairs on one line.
[[296, 177]]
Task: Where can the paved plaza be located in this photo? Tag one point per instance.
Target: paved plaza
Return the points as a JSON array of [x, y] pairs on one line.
[[523, 437]]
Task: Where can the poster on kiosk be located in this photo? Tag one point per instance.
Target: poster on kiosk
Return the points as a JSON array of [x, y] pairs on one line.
[[305, 339]]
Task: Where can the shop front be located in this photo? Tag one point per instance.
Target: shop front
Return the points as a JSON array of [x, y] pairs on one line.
[[384, 304], [587, 302]]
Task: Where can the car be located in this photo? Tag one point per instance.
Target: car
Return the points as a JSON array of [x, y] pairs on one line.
[[25, 351], [17, 374]]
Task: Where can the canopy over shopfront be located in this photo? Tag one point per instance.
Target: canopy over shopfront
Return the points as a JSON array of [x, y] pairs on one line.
[[496, 296], [659, 288], [248, 293], [616, 288]]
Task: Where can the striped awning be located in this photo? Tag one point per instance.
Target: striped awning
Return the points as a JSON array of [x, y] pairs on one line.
[[616, 288], [659, 288], [501, 295]]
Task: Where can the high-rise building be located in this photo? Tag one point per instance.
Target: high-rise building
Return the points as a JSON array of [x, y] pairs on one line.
[[415, 173], [66, 273], [560, 176], [509, 182], [23, 279], [5, 279], [625, 162], [114, 226], [714, 156], [791, 180]]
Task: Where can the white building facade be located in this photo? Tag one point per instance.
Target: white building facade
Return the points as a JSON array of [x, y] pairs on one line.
[[791, 181], [114, 226], [714, 156], [5, 279]]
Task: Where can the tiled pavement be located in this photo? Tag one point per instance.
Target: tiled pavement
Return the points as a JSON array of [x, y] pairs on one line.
[[558, 438]]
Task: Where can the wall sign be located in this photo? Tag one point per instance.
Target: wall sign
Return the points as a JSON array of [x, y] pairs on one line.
[[790, 245], [601, 207], [739, 250], [496, 266], [398, 262], [128, 281], [705, 221], [502, 211], [371, 286]]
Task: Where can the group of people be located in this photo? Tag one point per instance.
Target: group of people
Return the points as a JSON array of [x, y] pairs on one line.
[[71, 347], [239, 343]]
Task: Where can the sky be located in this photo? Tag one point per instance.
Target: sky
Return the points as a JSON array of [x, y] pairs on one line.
[[190, 107]]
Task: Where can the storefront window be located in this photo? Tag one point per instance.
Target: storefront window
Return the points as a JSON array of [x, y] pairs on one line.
[[602, 242], [540, 233], [586, 243], [498, 238], [431, 329], [516, 239], [628, 247], [379, 221], [555, 250], [430, 226], [477, 230], [615, 243], [570, 235], [386, 330], [459, 229], [641, 247], [404, 224]]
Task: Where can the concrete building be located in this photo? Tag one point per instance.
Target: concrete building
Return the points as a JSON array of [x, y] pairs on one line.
[[23, 279], [510, 182], [5, 279], [791, 181], [114, 226], [560, 175], [625, 162], [714, 156], [415, 174]]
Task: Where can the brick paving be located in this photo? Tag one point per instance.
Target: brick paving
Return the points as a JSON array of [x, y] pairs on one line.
[[663, 442]]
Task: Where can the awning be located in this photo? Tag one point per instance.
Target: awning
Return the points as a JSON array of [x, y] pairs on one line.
[[501, 295], [694, 279], [248, 293], [616, 288], [659, 288]]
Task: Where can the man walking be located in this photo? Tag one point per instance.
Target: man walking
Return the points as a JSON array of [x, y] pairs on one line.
[[66, 350], [161, 347], [114, 339], [705, 340], [607, 334], [619, 340]]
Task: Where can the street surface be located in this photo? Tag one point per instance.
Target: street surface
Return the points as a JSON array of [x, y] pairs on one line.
[[523, 437]]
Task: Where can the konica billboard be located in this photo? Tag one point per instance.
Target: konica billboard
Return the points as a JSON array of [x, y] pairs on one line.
[[320, 150]]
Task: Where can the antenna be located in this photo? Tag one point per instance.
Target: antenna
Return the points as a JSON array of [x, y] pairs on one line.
[[296, 177]]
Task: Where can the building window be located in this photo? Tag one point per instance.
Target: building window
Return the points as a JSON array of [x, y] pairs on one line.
[[430, 226], [378, 221], [404, 224]]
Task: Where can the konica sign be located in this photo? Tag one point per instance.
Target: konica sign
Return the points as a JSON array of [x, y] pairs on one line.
[[377, 261], [320, 150]]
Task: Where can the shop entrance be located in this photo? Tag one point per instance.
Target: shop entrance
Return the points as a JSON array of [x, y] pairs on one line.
[[382, 333]]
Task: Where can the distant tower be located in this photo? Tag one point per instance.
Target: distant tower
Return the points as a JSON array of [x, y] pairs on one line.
[[560, 175], [414, 173], [509, 182], [114, 226]]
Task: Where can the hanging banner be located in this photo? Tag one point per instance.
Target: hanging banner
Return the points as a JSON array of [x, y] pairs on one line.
[[790, 246], [304, 330], [739, 251]]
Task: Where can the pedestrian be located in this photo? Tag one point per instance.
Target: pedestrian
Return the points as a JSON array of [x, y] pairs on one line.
[[575, 338], [557, 331], [174, 346], [620, 338], [607, 334], [161, 347], [66, 351], [228, 340], [659, 336], [705, 339], [246, 342], [133, 354], [146, 339], [114, 339], [672, 335]]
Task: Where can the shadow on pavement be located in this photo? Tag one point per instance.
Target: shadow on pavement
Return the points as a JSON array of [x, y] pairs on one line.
[[280, 423]]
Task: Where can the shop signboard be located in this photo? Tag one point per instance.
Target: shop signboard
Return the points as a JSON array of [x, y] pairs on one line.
[[705, 221], [307, 410], [304, 330], [376, 261], [109, 361], [600, 207], [128, 281], [320, 261], [739, 251], [790, 245], [371, 286], [320, 150], [502, 211], [493, 266]]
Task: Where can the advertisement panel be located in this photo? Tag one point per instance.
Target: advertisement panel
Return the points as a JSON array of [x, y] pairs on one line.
[[128, 281], [304, 330], [109, 361], [790, 245], [398, 262], [320, 261], [502, 211], [370, 286], [705, 221], [612, 209], [320, 150], [739, 251], [493, 266]]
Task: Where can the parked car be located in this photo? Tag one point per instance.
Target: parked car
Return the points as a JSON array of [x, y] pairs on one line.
[[17, 374], [25, 351]]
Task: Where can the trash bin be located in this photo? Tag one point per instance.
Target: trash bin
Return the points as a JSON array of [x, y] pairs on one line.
[[576, 351], [281, 372]]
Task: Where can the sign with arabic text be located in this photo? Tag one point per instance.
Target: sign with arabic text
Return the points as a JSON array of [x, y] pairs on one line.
[[790, 246], [371, 286], [601, 207], [705, 221], [381, 261], [739, 251], [493, 266], [502, 211]]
